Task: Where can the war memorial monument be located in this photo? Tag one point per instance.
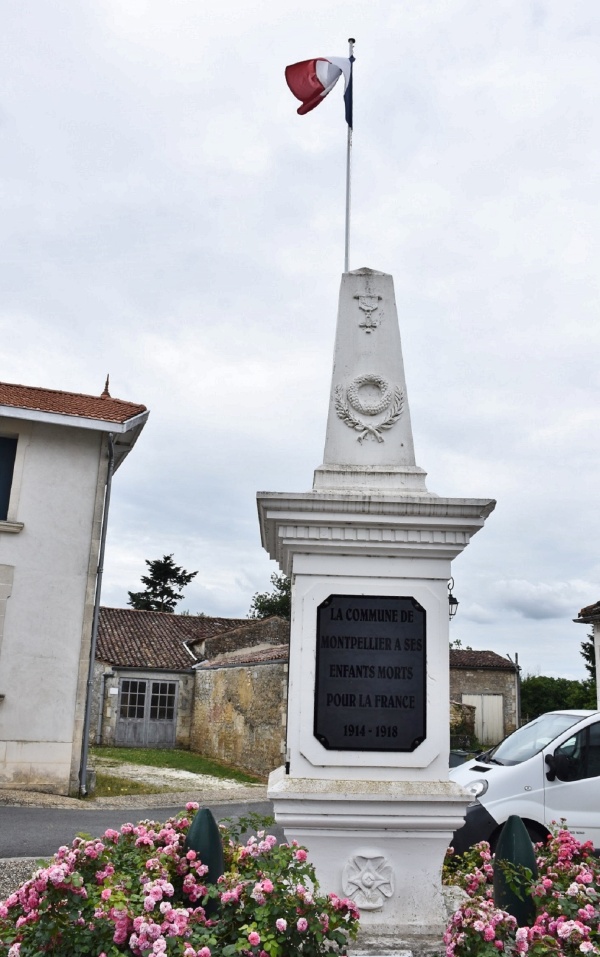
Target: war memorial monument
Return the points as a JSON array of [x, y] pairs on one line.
[[369, 549]]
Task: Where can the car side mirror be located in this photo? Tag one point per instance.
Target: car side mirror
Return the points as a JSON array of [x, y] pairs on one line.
[[551, 762], [560, 766]]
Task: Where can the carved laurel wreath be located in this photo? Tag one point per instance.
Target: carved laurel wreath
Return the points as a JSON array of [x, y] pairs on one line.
[[373, 407], [389, 398]]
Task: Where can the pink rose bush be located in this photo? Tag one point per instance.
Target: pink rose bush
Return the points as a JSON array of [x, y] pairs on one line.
[[566, 893], [140, 891]]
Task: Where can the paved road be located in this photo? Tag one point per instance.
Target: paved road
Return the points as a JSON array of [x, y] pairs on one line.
[[38, 832]]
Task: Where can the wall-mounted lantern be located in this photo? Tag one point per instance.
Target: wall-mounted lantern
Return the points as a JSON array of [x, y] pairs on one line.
[[452, 601]]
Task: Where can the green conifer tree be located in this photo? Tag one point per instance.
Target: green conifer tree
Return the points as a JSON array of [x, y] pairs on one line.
[[164, 585]]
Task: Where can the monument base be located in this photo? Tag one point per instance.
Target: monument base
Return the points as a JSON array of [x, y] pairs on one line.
[[380, 843], [338, 478]]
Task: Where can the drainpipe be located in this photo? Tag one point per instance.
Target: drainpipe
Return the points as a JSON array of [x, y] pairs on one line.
[[90, 681]]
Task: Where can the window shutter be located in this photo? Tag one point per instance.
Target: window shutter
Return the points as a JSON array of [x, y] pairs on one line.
[[8, 450]]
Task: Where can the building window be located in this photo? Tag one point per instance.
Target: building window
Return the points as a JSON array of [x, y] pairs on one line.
[[8, 451], [133, 699], [162, 703]]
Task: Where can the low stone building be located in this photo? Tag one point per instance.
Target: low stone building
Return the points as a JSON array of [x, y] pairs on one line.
[[489, 682], [144, 675], [164, 680]]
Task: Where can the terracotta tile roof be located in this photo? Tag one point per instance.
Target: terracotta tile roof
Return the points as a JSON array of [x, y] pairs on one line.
[[102, 407], [154, 639], [474, 660], [247, 656], [246, 634]]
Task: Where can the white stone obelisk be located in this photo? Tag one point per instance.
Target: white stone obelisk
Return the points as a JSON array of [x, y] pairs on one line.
[[365, 786]]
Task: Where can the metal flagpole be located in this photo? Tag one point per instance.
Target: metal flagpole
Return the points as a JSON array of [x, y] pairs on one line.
[[351, 42]]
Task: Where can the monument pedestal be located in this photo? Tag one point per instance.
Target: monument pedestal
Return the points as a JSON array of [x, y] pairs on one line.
[[365, 786], [380, 844]]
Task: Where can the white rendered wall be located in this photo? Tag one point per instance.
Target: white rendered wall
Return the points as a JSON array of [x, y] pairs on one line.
[[58, 491]]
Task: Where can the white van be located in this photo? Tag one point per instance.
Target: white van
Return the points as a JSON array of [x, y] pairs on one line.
[[546, 771]]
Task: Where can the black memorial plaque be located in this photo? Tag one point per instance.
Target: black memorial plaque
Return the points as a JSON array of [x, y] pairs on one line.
[[370, 674]]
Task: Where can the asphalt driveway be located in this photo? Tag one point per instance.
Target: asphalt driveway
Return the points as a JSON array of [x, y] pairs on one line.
[[39, 831]]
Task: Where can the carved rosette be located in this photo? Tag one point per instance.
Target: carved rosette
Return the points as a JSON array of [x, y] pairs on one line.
[[349, 402], [368, 880]]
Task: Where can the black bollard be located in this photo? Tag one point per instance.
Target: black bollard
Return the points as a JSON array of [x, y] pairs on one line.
[[205, 839], [515, 849]]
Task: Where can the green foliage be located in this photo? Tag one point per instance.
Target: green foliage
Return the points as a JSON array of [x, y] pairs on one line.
[[278, 602], [142, 891], [540, 693], [457, 643], [173, 758], [109, 785], [164, 585], [236, 828], [588, 654]]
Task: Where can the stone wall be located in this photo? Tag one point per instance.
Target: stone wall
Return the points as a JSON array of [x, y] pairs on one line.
[[228, 725], [462, 724]]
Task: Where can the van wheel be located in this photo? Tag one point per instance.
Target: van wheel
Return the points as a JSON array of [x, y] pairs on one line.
[[536, 832], [493, 838]]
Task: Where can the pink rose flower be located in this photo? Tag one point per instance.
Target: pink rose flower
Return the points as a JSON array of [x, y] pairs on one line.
[[254, 938], [302, 924], [281, 924]]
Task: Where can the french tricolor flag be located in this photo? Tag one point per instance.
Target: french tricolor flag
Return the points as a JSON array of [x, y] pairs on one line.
[[311, 80]]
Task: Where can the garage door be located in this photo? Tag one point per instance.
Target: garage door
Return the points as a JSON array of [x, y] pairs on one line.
[[147, 715], [489, 716]]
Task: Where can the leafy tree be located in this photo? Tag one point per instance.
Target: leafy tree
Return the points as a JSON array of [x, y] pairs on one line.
[[540, 693], [164, 585], [588, 654], [277, 602], [457, 643]]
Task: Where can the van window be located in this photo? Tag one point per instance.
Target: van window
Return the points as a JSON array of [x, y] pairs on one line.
[[532, 738], [579, 757]]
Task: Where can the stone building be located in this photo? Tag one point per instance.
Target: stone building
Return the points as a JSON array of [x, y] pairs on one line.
[[213, 684], [488, 682], [144, 675]]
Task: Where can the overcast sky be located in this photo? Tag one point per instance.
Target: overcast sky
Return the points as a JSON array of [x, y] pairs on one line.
[[169, 219]]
